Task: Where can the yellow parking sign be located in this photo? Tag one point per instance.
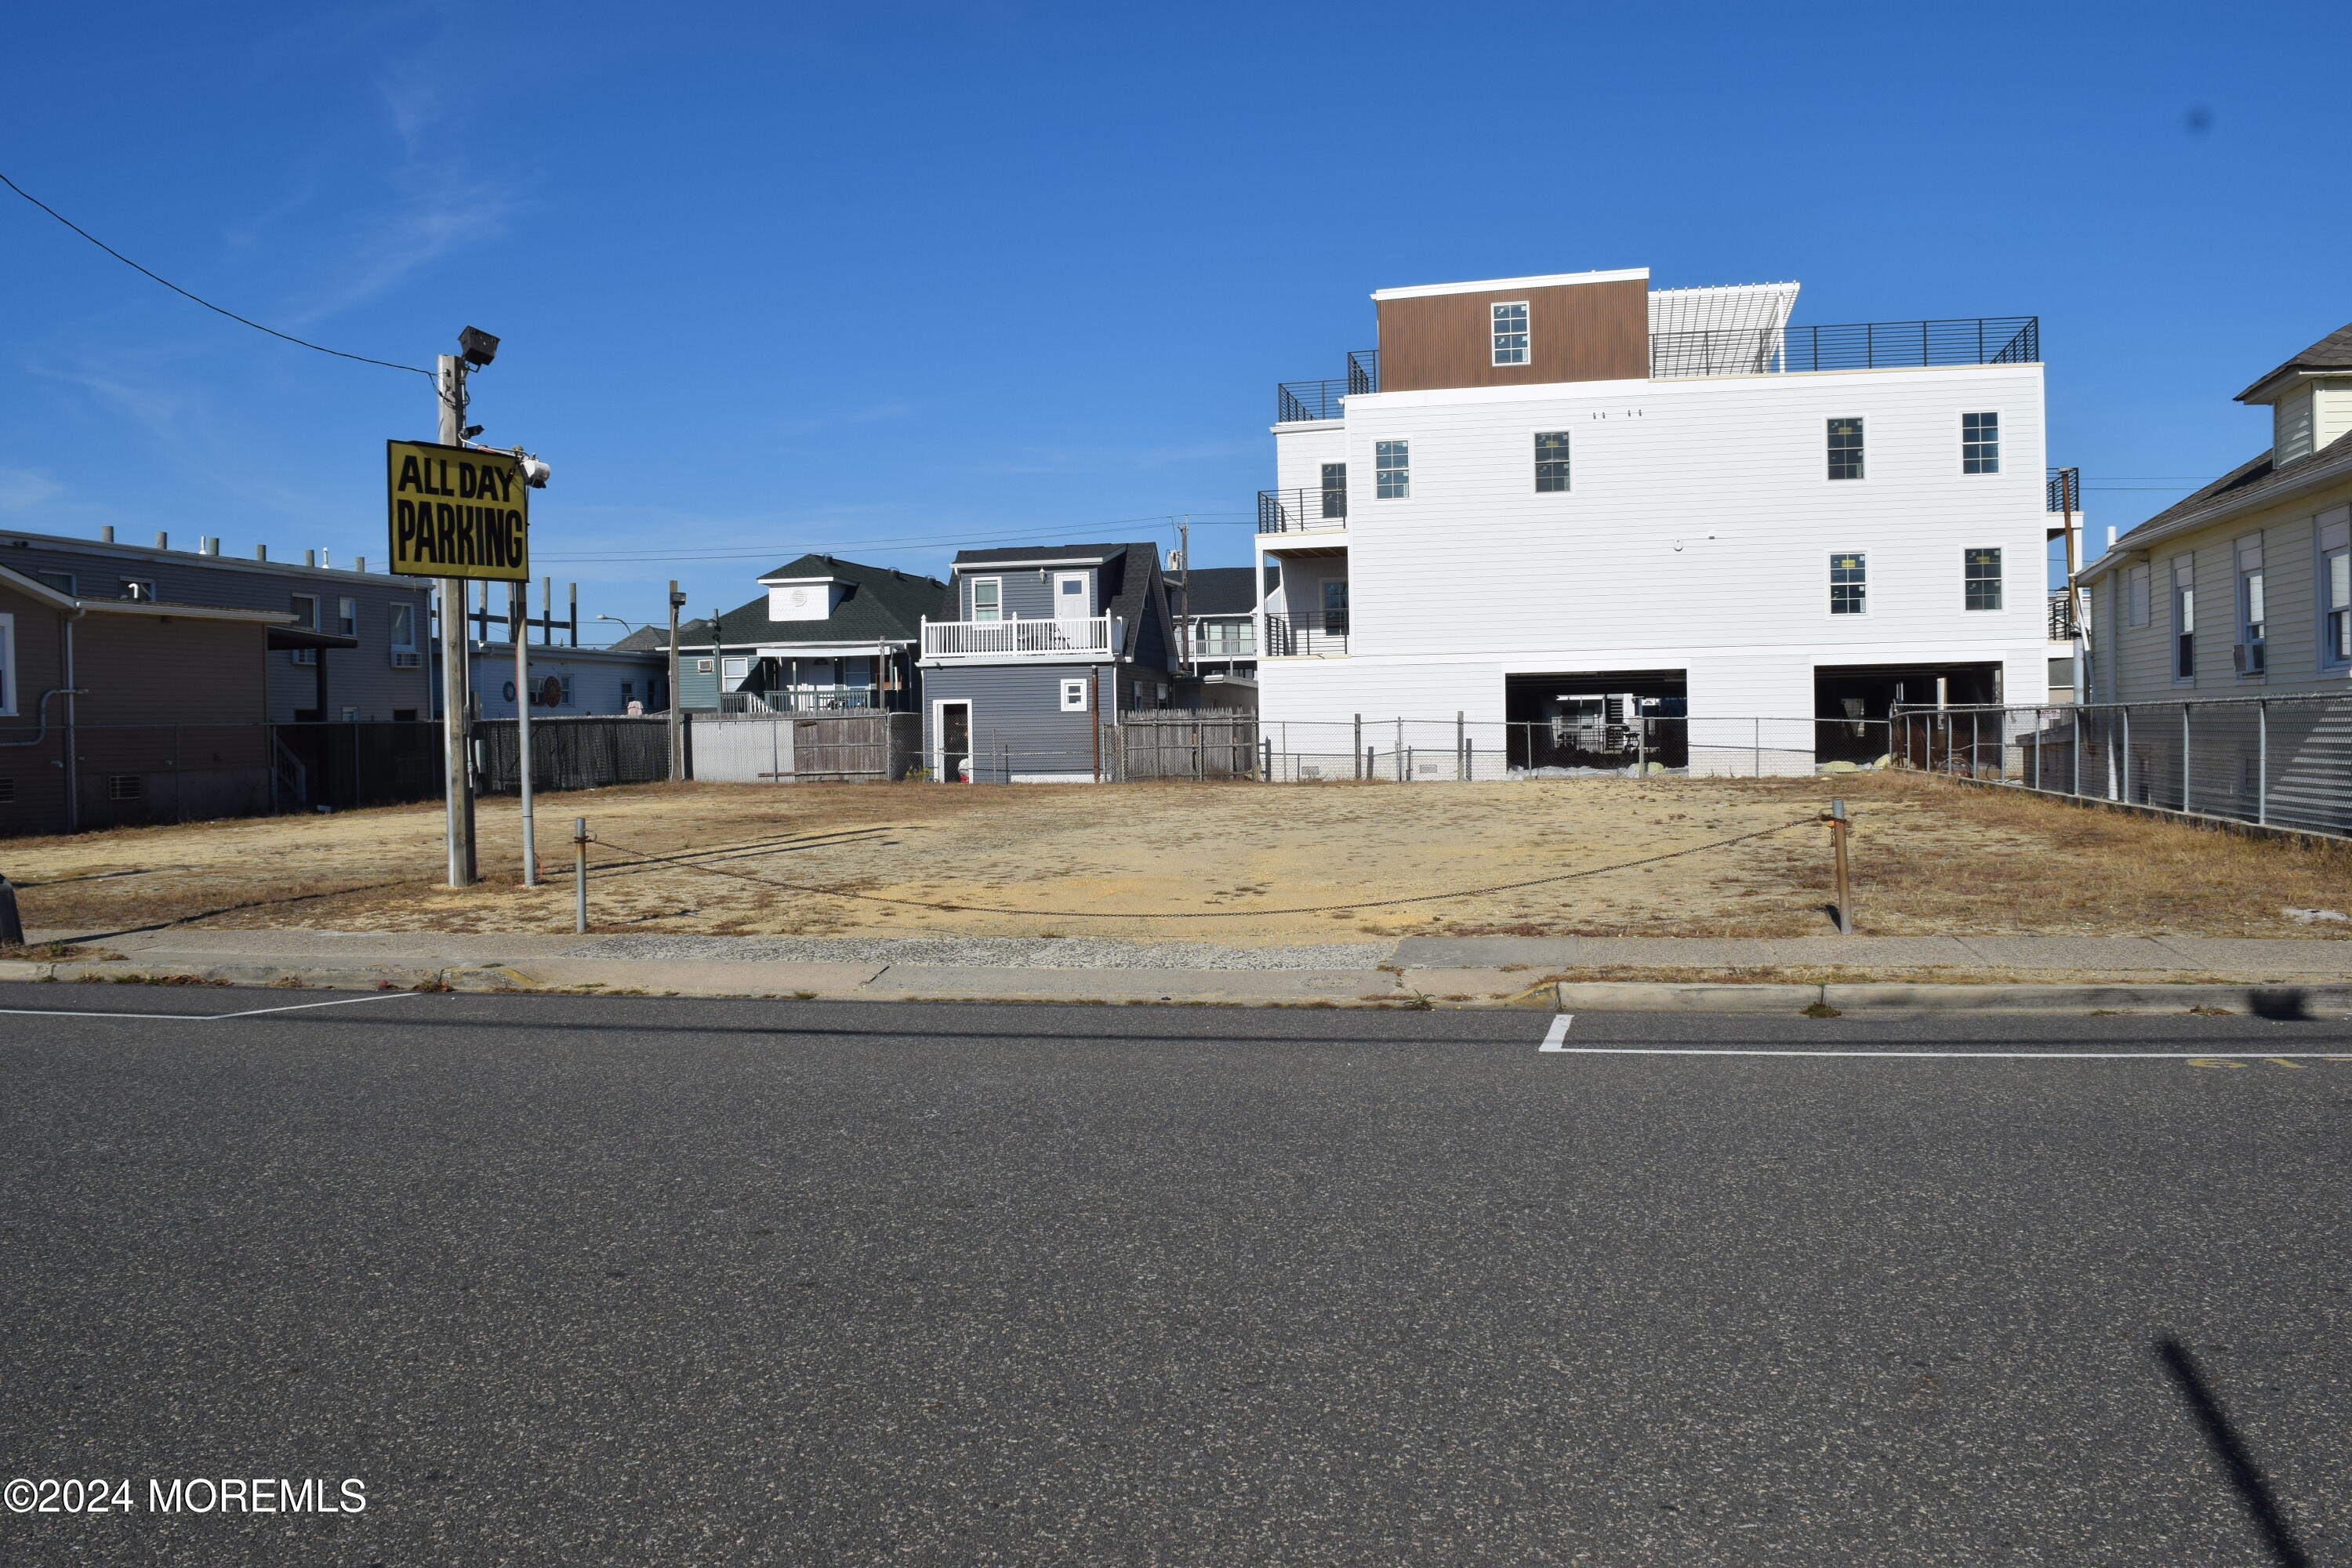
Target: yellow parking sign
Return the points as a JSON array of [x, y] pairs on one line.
[[457, 511]]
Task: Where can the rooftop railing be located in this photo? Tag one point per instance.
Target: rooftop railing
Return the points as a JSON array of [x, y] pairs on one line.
[[1299, 401], [1855, 345]]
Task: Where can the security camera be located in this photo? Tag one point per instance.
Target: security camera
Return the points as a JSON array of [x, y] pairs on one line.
[[469, 432]]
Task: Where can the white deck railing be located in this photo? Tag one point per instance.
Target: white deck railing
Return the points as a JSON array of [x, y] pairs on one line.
[[1091, 637]]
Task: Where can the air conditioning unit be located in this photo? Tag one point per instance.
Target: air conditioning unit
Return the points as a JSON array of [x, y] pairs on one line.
[[2249, 657], [407, 660]]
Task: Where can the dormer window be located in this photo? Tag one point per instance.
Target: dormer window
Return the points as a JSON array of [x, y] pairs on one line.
[[1510, 325]]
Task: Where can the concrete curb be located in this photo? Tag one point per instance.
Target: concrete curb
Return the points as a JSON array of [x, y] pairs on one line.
[[2307, 1001], [1245, 988]]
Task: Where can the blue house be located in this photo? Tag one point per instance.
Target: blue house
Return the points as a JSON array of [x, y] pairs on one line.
[[1033, 649]]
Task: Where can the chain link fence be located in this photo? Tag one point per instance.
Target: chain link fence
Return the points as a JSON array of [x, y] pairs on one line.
[[2279, 761]]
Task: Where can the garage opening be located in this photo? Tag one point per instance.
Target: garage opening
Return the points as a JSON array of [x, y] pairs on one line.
[[1851, 702], [1608, 720]]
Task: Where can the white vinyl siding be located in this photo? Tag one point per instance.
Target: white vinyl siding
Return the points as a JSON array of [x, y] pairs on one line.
[[2291, 426], [1713, 561]]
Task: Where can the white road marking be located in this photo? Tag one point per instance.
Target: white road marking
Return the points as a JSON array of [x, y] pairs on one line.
[[2003, 1056], [198, 1017], [1556, 1037]]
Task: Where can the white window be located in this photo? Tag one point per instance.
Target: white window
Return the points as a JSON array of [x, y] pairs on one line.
[[987, 599], [2184, 619], [1980, 573], [347, 616], [2136, 602], [1392, 469], [1071, 600], [1511, 332], [1552, 460], [1980, 443], [735, 667], [1845, 449], [7, 664], [2335, 586], [1074, 696], [1849, 583], [2250, 656]]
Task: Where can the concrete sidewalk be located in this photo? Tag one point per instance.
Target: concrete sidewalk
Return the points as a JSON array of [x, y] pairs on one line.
[[2121, 974]]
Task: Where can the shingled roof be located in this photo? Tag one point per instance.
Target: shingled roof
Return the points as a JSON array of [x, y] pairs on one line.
[[2333, 352], [878, 604]]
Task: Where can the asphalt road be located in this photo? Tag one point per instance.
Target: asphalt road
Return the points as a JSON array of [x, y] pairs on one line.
[[573, 1280]]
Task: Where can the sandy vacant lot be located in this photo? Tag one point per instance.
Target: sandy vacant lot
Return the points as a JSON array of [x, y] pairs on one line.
[[1931, 857]]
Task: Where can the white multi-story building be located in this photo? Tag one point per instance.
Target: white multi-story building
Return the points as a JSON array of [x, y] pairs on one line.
[[1541, 487]]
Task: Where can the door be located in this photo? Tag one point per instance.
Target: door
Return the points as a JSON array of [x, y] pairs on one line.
[[1071, 600], [955, 740]]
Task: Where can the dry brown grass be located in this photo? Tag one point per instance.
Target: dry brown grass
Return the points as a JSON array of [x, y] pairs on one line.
[[1931, 857]]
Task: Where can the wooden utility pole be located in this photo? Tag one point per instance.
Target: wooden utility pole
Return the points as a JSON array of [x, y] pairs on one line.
[[457, 783], [677, 711]]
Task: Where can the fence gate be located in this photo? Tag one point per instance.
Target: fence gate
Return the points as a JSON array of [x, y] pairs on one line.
[[1171, 744]]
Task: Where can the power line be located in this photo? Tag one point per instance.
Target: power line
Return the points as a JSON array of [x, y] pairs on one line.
[[207, 304], [903, 541]]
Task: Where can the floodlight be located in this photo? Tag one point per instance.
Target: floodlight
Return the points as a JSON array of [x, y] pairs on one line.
[[476, 347], [534, 472]]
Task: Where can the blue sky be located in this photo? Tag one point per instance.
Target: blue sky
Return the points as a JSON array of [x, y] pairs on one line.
[[891, 278]]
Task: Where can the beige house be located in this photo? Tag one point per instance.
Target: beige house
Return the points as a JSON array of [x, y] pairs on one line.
[[2244, 589]]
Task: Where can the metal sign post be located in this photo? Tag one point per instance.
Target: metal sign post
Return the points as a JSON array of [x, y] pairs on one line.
[[460, 513], [521, 592]]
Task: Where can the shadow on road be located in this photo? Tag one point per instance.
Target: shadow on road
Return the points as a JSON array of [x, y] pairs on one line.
[[2254, 1489]]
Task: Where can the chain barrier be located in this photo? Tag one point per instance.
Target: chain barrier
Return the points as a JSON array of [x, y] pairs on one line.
[[1216, 914]]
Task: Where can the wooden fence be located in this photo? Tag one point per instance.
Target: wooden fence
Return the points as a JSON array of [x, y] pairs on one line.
[[1173, 743]]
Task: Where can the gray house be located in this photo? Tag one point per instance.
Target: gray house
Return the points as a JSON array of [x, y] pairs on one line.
[[2244, 589], [1033, 648], [827, 636], [383, 673]]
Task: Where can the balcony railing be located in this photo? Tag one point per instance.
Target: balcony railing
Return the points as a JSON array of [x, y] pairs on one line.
[[1224, 640], [1858, 345], [2063, 620], [1091, 637], [1311, 511], [1295, 401], [1316, 632], [800, 700]]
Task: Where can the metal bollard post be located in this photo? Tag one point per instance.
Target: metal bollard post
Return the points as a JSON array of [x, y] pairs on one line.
[[12, 928], [580, 874], [1265, 773], [1838, 823]]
